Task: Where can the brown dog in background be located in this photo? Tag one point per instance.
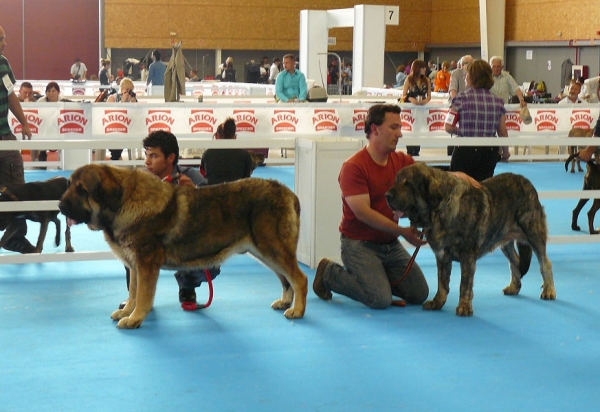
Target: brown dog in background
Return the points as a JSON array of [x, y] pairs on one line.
[[578, 132], [51, 189]]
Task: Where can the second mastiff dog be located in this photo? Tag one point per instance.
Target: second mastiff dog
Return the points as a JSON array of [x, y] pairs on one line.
[[463, 223], [151, 225]]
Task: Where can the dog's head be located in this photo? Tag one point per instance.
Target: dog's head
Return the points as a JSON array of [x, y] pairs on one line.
[[416, 191], [93, 197]]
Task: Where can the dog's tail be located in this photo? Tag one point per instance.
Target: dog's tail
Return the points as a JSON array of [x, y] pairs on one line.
[[568, 161], [525, 254]]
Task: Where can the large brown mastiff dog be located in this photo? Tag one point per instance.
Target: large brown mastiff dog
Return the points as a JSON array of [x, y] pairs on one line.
[[151, 225], [463, 223]]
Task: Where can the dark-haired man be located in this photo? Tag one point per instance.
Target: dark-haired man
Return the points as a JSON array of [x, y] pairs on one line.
[[156, 71], [162, 157], [374, 259]]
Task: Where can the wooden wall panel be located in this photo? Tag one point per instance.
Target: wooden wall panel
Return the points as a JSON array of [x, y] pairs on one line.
[[247, 24], [552, 20], [455, 22]]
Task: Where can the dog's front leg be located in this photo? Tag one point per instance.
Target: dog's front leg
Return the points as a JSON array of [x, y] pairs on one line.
[[142, 289], [467, 272], [131, 300], [444, 266], [591, 215]]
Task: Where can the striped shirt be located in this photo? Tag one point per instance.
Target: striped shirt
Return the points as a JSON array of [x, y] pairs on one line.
[[479, 112], [5, 70]]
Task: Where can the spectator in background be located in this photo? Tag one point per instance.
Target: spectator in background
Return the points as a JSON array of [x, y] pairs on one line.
[[504, 84], [480, 114], [442, 79], [573, 96], [156, 71], [228, 74], [275, 70], [264, 73], [400, 76], [125, 95], [194, 75], [333, 77], [104, 75], [453, 66], [431, 69], [417, 90], [78, 71], [291, 83], [52, 96], [226, 165], [143, 72], [26, 93], [590, 90], [457, 78], [347, 78]]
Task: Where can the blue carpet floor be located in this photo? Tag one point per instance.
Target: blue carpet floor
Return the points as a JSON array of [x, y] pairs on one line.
[[60, 351]]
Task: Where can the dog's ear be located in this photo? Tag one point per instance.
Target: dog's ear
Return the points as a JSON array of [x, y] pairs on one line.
[[433, 182], [107, 189]]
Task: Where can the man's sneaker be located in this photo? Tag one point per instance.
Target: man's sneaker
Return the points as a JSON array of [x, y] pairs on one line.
[[318, 284], [187, 295]]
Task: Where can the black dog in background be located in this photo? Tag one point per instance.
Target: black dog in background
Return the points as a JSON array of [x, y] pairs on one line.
[[51, 189], [591, 181]]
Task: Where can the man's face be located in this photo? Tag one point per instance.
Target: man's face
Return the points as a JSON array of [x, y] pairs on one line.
[[387, 135], [157, 164], [574, 91], [25, 94], [2, 40], [289, 64], [497, 67]]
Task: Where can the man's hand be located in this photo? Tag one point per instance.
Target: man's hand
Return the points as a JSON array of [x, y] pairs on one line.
[[26, 132], [185, 181], [413, 236]]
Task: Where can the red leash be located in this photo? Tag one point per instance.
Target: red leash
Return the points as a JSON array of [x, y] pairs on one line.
[[189, 306], [411, 262]]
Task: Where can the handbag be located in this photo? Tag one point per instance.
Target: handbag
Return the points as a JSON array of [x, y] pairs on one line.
[[525, 115]]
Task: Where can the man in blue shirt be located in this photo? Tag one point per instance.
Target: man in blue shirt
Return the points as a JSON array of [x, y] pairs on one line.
[[156, 72], [291, 83]]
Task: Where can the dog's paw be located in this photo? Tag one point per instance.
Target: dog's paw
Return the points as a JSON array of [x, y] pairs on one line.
[[594, 232], [281, 305], [575, 227], [69, 249], [118, 314], [548, 293], [432, 305], [511, 290], [464, 309], [129, 323], [292, 313]]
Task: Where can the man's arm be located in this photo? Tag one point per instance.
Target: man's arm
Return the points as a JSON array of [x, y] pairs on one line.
[[15, 107], [361, 207], [279, 88], [303, 88]]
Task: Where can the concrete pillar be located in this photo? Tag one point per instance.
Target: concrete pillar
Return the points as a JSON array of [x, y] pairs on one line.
[[369, 46], [492, 17], [313, 45]]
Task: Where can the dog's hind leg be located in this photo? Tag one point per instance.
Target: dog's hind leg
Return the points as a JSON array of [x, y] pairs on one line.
[[591, 214], [439, 300], [467, 273], [576, 211], [515, 273], [42, 236], [57, 226]]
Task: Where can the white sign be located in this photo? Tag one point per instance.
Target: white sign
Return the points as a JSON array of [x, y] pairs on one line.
[[392, 15], [529, 54], [331, 41]]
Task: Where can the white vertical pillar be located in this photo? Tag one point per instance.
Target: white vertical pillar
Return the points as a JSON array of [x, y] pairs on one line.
[[313, 45], [492, 17], [369, 46]]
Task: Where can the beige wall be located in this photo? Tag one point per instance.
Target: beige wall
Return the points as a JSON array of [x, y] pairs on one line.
[[275, 24]]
